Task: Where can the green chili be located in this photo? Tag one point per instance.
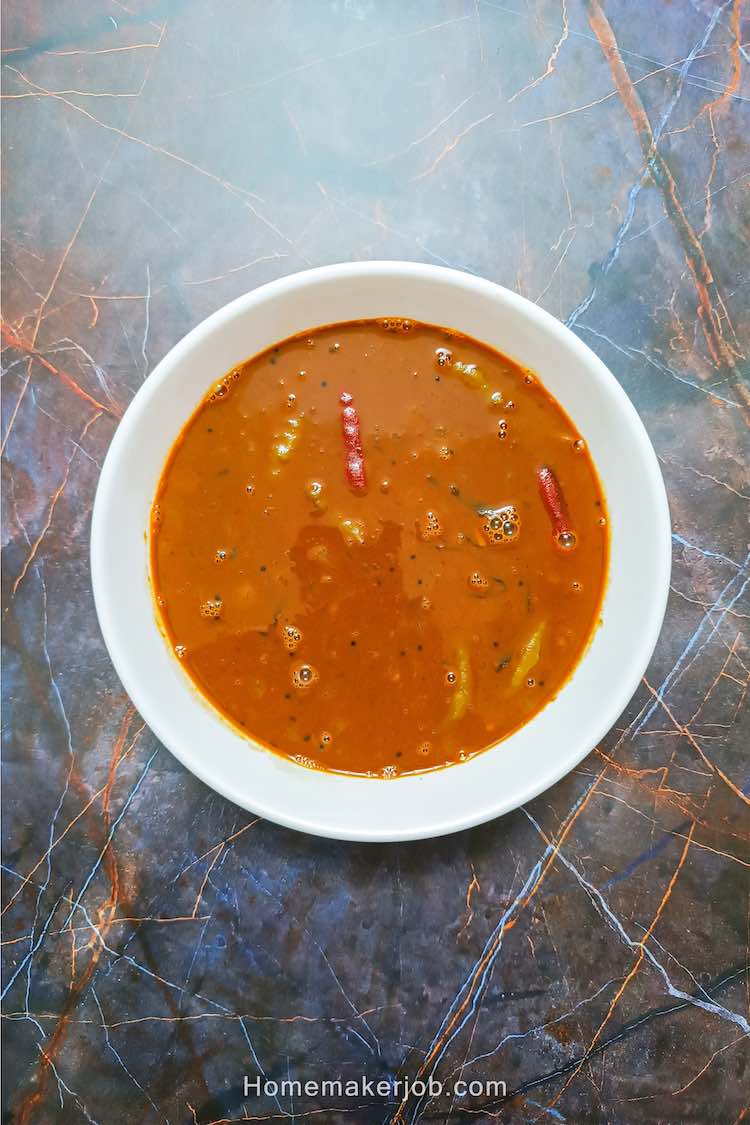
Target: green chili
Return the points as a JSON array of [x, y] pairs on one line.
[[462, 693], [529, 656]]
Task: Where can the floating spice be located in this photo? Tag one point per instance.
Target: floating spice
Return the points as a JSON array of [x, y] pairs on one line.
[[353, 531]]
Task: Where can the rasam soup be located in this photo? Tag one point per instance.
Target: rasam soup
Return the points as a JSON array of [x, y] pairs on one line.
[[379, 547]]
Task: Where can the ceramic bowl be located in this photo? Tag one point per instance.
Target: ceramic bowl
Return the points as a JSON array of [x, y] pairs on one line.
[[509, 773]]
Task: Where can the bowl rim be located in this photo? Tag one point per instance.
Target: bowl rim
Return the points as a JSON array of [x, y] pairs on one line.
[[125, 663]]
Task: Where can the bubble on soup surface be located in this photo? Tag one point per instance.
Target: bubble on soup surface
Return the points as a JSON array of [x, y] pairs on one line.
[[222, 388], [303, 760], [430, 525], [477, 583], [180, 651], [566, 540], [502, 525], [443, 357], [291, 637], [220, 555], [424, 748], [212, 608], [304, 676], [389, 771]]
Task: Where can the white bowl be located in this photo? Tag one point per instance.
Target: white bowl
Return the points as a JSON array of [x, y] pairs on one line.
[[516, 769]]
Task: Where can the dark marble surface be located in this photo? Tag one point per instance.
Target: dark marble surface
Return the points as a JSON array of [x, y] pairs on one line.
[[159, 943]]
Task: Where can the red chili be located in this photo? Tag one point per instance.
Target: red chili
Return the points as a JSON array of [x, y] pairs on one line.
[[355, 462], [553, 501]]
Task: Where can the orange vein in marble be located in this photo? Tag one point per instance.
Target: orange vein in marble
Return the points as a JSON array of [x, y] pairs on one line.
[[472, 887], [634, 968], [489, 954], [710, 320], [696, 745], [53, 504], [14, 341]]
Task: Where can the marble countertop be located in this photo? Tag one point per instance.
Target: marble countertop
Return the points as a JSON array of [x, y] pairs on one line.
[[160, 944]]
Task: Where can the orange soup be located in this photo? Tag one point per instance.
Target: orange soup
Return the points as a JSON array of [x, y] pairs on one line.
[[379, 547]]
